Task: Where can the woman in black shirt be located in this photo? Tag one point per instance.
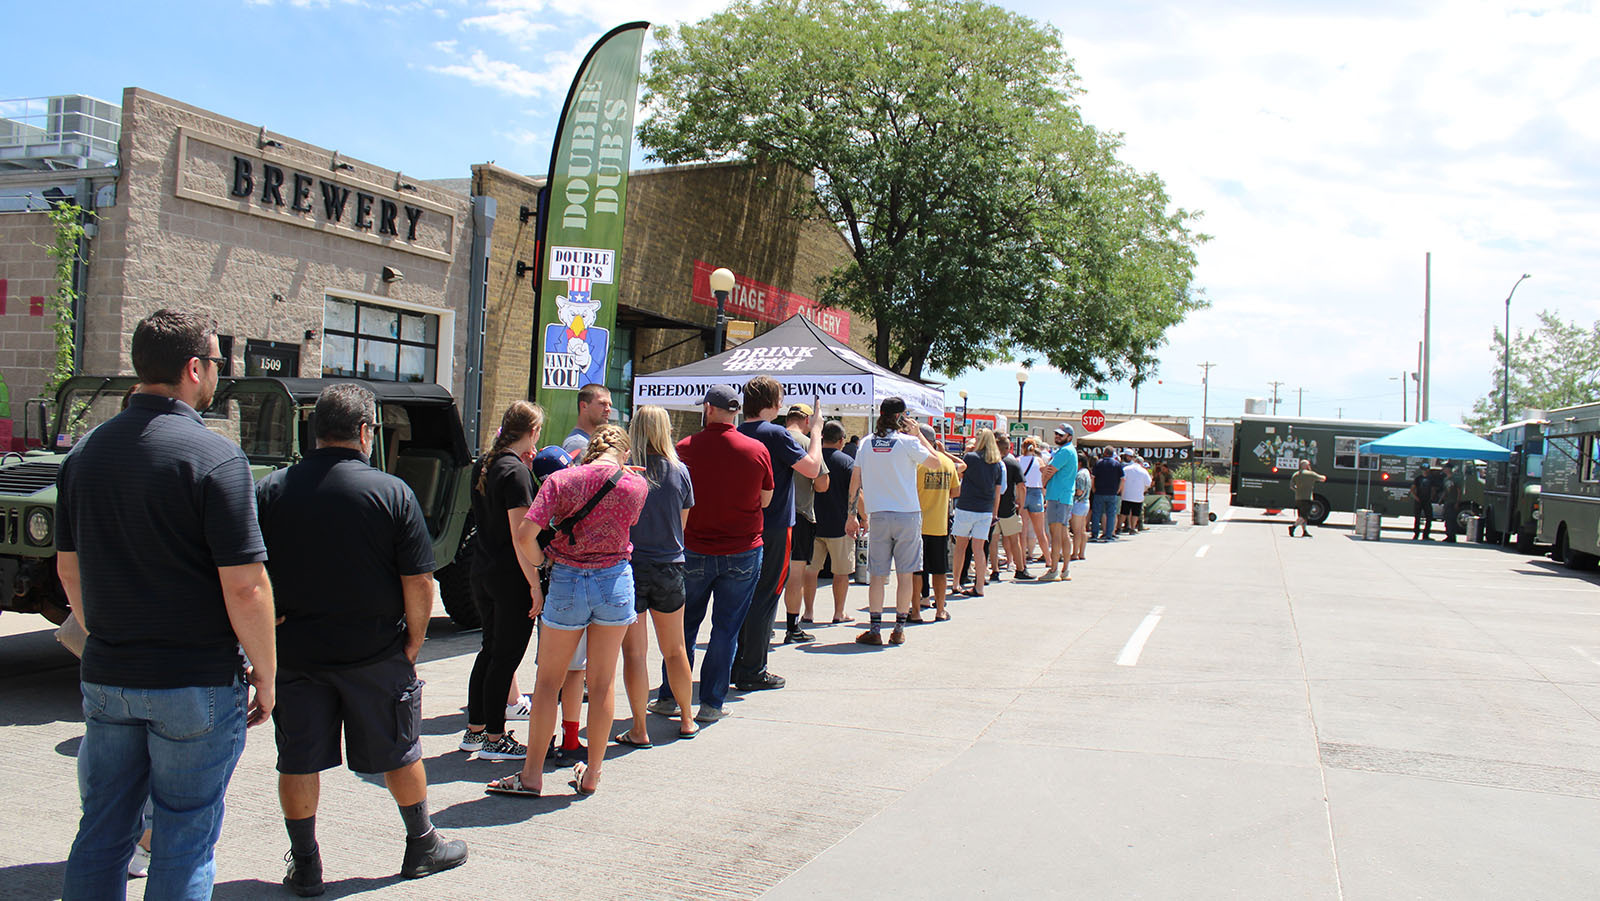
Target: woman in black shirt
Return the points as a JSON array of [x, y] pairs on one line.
[[502, 492]]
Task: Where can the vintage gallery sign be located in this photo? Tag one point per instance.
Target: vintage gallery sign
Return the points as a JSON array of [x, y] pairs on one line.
[[237, 178], [751, 299]]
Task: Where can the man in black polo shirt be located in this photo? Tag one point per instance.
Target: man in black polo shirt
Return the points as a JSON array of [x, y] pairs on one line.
[[162, 561], [353, 565]]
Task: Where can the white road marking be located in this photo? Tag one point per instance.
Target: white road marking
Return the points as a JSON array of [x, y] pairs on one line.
[[1585, 654], [1202, 551], [1135, 646], [1219, 527]]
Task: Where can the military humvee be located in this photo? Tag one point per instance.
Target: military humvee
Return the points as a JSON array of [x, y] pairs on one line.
[[419, 439]]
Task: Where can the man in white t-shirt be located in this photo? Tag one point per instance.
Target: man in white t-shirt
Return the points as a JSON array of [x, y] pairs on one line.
[[885, 478], [1135, 482]]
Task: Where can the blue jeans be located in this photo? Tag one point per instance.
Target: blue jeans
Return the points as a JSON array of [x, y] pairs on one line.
[[1104, 507], [731, 580], [176, 747]]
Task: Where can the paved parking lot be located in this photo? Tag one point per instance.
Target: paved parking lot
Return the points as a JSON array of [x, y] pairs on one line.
[[1218, 711]]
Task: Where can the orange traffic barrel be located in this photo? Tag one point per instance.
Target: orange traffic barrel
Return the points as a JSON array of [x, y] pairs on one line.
[[1180, 494]]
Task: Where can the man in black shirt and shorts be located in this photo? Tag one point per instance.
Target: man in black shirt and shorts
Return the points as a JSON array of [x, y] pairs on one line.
[[353, 566]]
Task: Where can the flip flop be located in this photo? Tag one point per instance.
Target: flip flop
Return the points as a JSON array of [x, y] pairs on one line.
[[943, 616], [844, 620], [626, 740], [685, 736], [578, 772], [511, 785], [807, 620]]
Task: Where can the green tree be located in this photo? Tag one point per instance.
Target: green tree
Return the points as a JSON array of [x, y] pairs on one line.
[[1555, 365], [986, 219]]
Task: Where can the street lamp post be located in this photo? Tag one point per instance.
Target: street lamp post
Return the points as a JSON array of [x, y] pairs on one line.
[[963, 412], [1022, 381], [1505, 370], [721, 284]]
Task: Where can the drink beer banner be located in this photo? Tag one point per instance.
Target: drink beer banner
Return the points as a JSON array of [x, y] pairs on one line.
[[581, 233]]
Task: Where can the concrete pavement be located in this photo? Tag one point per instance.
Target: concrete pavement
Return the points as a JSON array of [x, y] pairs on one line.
[[1305, 718]]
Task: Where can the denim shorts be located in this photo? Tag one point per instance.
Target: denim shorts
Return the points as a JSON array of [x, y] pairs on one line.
[[580, 598], [973, 524], [1058, 512], [1033, 500], [1081, 508]]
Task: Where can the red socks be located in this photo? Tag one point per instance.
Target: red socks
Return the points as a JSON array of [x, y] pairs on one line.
[[569, 735]]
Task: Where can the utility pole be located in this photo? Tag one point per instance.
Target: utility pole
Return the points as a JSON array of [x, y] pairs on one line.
[[1205, 398], [1300, 402], [1275, 396], [1417, 377], [1427, 337]]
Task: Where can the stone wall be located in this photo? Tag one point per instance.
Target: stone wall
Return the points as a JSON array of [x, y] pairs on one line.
[[243, 262]]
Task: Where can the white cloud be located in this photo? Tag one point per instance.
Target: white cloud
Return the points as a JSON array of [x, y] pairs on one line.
[[1330, 151], [523, 137], [506, 76], [448, 48]]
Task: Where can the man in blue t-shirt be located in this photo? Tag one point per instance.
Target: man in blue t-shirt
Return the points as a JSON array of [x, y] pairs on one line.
[[763, 400], [1060, 475]]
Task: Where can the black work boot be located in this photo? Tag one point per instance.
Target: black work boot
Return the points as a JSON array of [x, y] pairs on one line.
[[305, 874], [432, 853]]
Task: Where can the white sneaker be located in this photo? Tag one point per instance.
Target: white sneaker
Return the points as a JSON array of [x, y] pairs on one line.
[[139, 863], [663, 707], [709, 714], [519, 710]]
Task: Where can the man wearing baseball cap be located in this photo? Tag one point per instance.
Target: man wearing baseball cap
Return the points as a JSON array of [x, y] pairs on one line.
[[732, 479], [1060, 475]]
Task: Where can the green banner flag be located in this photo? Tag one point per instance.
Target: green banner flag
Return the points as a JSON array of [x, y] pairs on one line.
[[581, 241]]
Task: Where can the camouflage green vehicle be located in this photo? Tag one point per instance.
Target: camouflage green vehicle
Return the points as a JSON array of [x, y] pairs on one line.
[[419, 438]]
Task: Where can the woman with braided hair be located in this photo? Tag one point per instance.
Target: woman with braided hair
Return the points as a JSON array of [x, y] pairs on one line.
[[591, 508], [504, 585]]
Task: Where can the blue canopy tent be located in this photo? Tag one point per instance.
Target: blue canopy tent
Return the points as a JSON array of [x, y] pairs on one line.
[[1435, 439], [1438, 440]]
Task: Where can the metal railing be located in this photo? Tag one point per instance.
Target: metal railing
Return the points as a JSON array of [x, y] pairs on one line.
[[64, 131]]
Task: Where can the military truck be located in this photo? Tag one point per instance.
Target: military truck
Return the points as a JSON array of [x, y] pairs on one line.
[[419, 439]]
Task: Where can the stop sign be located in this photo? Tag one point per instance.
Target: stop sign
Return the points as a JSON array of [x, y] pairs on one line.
[[1093, 420]]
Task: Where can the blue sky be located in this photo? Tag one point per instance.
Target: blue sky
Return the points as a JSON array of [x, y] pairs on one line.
[[1330, 145]]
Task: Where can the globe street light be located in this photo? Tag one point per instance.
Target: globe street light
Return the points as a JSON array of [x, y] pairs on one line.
[[1022, 381], [1505, 371], [721, 284]]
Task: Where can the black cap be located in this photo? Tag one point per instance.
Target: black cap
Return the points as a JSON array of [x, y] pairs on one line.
[[892, 404], [723, 397]]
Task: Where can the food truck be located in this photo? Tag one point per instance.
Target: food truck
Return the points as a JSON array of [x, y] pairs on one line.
[[1511, 489], [1268, 449], [1569, 496]]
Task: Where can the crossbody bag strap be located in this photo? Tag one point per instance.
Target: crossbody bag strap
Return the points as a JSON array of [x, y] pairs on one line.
[[571, 522]]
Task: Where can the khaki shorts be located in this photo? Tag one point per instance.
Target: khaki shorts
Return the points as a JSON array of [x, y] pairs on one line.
[[1009, 525], [841, 549]]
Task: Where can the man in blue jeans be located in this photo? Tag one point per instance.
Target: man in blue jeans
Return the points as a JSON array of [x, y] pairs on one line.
[[163, 563], [1107, 496], [731, 474]]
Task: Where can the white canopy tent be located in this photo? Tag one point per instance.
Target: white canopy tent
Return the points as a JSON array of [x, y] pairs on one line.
[[809, 362]]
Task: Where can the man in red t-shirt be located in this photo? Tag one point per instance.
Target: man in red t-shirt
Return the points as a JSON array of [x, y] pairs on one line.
[[732, 478]]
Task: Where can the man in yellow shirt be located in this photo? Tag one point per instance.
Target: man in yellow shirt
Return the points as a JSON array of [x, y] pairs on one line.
[[938, 480]]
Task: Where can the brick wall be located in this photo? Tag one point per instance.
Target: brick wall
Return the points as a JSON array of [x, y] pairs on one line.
[[27, 345], [510, 313]]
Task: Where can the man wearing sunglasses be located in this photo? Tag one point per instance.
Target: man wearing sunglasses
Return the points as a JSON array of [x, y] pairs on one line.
[[162, 560]]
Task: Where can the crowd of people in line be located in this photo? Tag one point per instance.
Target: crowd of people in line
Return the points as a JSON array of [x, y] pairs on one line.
[[209, 603]]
